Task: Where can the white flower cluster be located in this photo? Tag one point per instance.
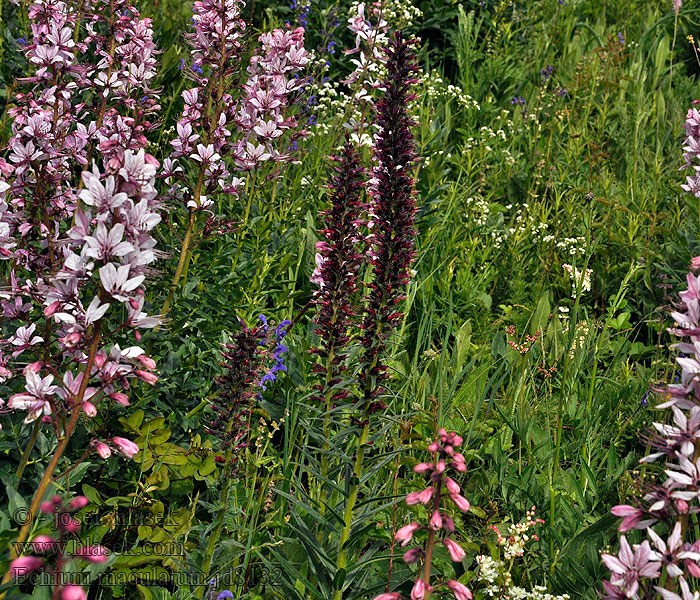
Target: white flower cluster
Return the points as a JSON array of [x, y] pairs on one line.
[[402, 15], [477, 210], [434, 87], [495, 575], [574, 246], [580, 281]]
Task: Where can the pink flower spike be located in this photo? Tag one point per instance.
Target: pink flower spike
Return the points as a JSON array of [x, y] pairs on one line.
[[25, 565], [457, 554], [404, 535], [460, 502], [460, 590], [126, 447], [73, 592]]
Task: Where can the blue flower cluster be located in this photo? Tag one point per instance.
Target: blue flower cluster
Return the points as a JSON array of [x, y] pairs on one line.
[[277, 353]]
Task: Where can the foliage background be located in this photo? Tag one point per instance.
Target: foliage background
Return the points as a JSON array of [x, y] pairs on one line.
[[507, 194]]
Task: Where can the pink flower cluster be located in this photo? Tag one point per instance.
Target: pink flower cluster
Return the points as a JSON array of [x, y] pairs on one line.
[[442, 492], [692, 150], [81, 245], [671, 503], [53, 549], [215, 124]]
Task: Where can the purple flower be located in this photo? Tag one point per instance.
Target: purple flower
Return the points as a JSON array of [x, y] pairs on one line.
[[631, 565]]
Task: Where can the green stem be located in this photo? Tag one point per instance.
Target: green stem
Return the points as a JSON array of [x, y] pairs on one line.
[[60, 449], [181, 264], [342, 560], [28, 450], [216, 533], [326, 428]]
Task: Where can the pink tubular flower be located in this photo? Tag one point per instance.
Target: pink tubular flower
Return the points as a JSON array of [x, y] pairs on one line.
[[73, 592], [126, 447], [631, 565], [630, 516], [103, 450], [389, 596], [149, 378], [460, 590], [457, 554], [422, 497], [412, 556], [436, 521], [404, 535], [460, 502], [24, 565], [418, 591]]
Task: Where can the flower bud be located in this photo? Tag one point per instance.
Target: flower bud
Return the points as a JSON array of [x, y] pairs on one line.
[[25, 565], [404, 535], [413, 556], [73, 592], [419, 497], [103, 450], [43, 543], [460, 590], [457, 554], [436, 521], [418, 591], [126, 447], [78, 503], [460, 502]]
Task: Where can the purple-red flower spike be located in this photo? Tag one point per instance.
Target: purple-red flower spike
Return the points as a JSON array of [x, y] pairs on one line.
[[244, 358], [338, 261], [392, 209]]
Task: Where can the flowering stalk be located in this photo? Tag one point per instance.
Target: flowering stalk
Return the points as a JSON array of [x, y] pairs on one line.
[[337, 265], [46, 545], [77, 247], [392, 216], [217, 133], [637, 568], [442, 493], [245, 358]]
